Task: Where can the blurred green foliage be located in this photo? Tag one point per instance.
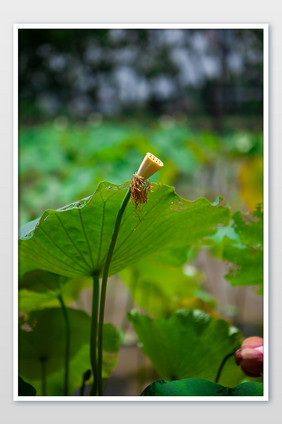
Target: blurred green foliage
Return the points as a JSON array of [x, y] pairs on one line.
[[63, 162]]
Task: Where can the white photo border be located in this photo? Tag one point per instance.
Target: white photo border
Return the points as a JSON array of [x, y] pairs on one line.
[[265, 28]]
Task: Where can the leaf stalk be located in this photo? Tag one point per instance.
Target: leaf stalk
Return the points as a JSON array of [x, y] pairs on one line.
[[93, 334], [225, 359], [67, 348], [104, 289]]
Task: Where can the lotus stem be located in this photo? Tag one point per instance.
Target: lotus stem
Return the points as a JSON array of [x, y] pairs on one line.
[[67, 348], [225, 359], [93, 335], [138, 191]]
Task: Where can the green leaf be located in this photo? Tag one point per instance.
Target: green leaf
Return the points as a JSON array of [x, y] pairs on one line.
[[25, 389], [81, 362], [42, 282], [73, 241], [200, 387], [246, 255], [249, 227], [188, 387], [44, 338], [160, 288], [41, 289], [174, 256], [189, 344], [247, 389], [30, 301]]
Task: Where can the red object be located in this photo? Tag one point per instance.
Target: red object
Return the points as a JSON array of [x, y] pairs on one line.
[[250, 356]]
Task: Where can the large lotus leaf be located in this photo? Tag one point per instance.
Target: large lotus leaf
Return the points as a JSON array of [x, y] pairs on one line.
[[42, 339], [189, 344], [247, 254], [174, 256], [80, 362], [41, 289], [160, 288], [200, 387], [74, 240]]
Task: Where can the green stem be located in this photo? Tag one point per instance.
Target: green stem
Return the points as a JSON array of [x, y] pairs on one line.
[[86, 377], [222, 365], [82, 388], [93, 335], [67, 348], [43, 376], [104, 288]]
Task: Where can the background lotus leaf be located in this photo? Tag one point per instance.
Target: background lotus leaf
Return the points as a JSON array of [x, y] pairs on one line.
[[42, 338], [189, 344]]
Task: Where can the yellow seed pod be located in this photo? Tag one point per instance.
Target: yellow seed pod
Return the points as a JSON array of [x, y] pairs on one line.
[[139, 186], [149, 166]]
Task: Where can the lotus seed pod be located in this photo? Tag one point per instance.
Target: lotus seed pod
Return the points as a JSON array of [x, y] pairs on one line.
[[149, 166], [139, 186]]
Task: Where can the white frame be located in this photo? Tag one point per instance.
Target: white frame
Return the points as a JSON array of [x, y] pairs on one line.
[[265, 28]]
